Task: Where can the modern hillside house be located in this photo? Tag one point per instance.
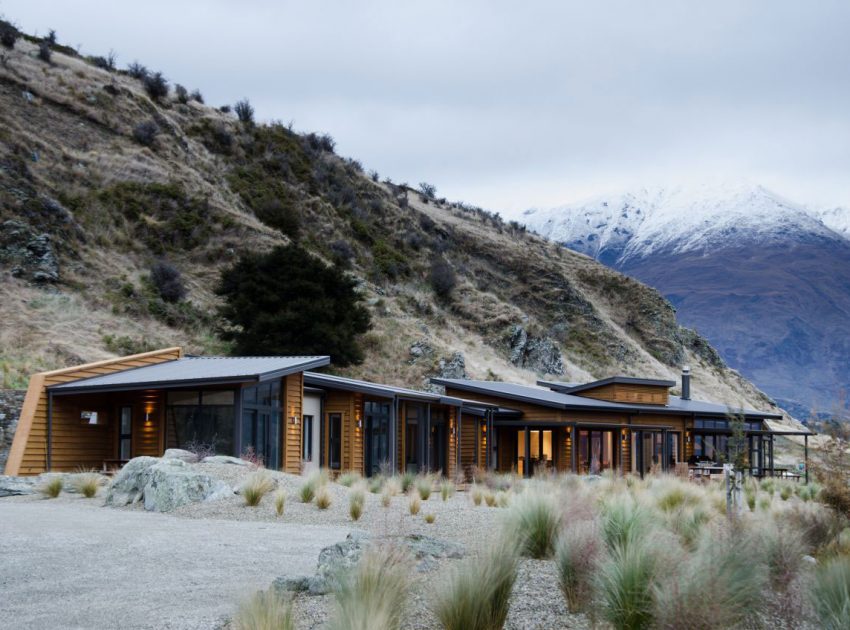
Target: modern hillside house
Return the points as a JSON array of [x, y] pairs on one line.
[[102, 414]]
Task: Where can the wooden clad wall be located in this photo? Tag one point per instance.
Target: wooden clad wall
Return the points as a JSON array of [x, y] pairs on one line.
[[468, 442], [451, 466], [350, 406], [293, 403], [70, 446], [629, 393]]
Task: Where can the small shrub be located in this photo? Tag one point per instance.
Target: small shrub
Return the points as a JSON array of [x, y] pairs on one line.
[[51, 37], [168, 281], [428, 191], [87, 484], [137, 71], [265, 610], [44, 52], [533, 521], [156, 85], [51, 488], [197, 96], [576, 556], [244, 111], [323, 498], [430, 518], [181, 93], [476, 596], [831, 594], [145, 133], [257, 485], [373, 595], [105, 63], [442, 277], [424, 486], [447, 489], [415, 504], [279, 502], [8, 35]]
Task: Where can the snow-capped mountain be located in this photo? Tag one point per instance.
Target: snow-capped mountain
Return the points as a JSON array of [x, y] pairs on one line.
[[680, 219], [765, 279]]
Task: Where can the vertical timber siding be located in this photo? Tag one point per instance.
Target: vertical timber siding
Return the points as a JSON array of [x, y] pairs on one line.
[[71, 447]]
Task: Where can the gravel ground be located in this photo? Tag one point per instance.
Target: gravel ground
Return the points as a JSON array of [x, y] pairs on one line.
[[69, 563]]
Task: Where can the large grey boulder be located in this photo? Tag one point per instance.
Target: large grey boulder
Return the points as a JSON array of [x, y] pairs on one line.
[[128, 486], [163, 484], [225, 459], [336, 561], [540, 354], [173, 483], [178, 453], [16, 486]]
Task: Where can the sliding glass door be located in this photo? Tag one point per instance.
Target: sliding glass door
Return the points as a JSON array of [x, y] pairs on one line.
[[596, 452], [377, 436]]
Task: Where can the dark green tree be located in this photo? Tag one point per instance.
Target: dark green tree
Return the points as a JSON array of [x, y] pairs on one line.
[[289, 302]]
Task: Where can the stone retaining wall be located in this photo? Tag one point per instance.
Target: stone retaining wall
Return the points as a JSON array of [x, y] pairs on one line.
[[11, 401]]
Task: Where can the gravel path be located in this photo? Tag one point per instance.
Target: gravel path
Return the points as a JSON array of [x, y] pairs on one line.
[[69, 563]]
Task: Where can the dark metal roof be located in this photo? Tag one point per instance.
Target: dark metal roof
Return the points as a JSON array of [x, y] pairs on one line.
[[558, 400], [571, 388], [316, 379], [189, 371]]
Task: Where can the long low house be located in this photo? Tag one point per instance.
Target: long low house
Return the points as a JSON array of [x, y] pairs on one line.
[[100, 415]]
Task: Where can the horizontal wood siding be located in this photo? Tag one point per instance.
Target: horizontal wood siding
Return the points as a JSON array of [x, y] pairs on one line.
[[350, 406], [629, 393], [73, 444], [468, 443]]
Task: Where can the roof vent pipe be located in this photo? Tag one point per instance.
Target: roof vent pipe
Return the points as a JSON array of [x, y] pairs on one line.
[[686, 383]]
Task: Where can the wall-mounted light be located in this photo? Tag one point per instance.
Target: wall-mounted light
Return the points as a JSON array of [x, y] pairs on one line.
[[293, 419], [359, 423]]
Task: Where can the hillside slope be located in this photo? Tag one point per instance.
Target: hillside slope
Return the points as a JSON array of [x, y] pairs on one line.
[[765, 280], [85, 210]]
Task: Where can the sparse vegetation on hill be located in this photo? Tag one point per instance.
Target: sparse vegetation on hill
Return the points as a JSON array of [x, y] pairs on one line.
[[98, 197]]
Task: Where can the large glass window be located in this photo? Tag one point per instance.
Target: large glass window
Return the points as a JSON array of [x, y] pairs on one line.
[[307, 438], [125, 434], [261, 422], [540, 447], [201, 420], [595, 451], [414, 417]]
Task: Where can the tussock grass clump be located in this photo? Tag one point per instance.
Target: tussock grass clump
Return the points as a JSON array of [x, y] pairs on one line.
[[356, 500], [502, 499], [447, 489], [323, 497], [376, 483], [424, 486], [625, 584], [307, 492], [373, 595], [87, 483], [430, 518], [407, 481], [348, 479], [265, 610], [785, 492], [257, 485], [311, 485], [783, 549], [386, 498], [477, 495], [51, 488], [623, 521], [831, 594], [414, 505], [476, 596], [675, 495], [489, 499], [279, 502], [534, 520], [576, 556], [718, 585]]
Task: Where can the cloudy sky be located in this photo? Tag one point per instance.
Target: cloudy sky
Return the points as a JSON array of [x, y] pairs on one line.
[[511, 106]]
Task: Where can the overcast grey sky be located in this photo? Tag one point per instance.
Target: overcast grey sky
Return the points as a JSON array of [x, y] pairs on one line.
[[507, 104]]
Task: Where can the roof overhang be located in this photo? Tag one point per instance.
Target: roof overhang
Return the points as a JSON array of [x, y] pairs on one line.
[[566, 388]]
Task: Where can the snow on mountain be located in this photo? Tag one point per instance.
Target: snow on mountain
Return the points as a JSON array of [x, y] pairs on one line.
[[680, 219]]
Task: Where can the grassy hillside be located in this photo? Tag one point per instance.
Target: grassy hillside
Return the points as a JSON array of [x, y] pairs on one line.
[[89, 202]]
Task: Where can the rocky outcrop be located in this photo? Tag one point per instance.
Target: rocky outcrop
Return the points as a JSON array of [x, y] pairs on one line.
[[16, 486], [421, 350], [452, 367], [540, 354], [337, 560], [28, 254], [11, 401], [163, 484], [178, 453]]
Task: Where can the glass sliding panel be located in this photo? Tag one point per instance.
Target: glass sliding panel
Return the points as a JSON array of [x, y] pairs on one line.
[[413, 421], [377, 436], [125, 434], [261, 429], [596, 451], [335, 441], [307, 438]]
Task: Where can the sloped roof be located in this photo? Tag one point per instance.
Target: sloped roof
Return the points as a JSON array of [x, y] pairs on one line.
[[559, 400], [194, 371], [571, 388]]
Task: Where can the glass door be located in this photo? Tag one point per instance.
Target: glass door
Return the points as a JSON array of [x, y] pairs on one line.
[[377, 436], [647, 451], [595, 451], [261, 423], [438, 443]]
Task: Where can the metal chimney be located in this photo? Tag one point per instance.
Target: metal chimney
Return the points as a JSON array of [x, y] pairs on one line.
[[686, 383]]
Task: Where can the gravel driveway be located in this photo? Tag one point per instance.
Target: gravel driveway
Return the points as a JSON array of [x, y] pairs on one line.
[[67, 563]]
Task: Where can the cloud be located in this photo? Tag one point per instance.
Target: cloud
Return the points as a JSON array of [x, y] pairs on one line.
[[510, 106]]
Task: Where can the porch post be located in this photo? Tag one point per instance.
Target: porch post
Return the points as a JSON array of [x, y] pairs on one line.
[[664, 448], [491, 441], [427, 440], [392, 436], [806, 455], [772, 471], [49, 430], [526, 470], [573, 449], [459, 463]]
